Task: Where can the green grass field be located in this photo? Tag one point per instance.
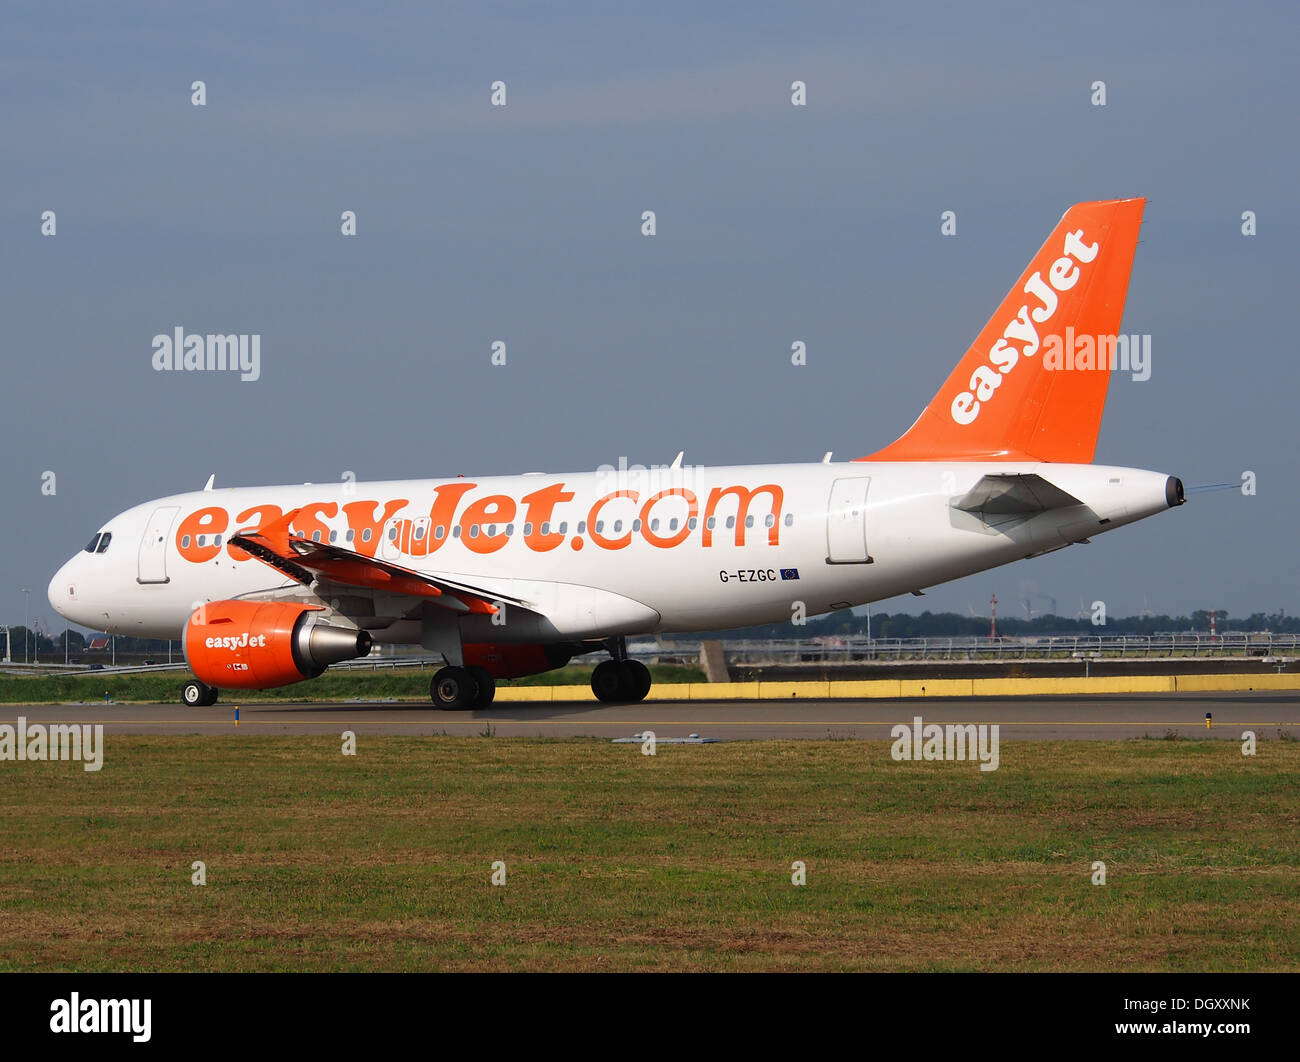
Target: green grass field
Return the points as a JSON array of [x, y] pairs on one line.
[[618, 861]]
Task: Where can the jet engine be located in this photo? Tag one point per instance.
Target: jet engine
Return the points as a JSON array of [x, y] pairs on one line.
[[256, 645]]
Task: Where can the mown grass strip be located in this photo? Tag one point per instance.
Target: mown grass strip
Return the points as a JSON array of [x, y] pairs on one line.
[[620, 861]]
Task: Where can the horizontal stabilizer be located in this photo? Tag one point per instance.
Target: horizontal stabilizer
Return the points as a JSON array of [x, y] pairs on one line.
[[1005, 495]]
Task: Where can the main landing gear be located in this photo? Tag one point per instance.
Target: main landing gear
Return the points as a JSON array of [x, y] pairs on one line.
[[459, 688], [620, 681], [198, 694]]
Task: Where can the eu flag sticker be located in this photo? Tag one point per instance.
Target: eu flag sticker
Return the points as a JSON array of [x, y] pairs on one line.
[[789, 573]]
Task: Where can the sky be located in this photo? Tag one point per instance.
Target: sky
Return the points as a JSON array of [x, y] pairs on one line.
[[522, 223]]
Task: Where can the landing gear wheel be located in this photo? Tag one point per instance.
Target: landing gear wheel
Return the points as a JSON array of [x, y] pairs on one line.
[[609, 681], [487, 686], [198, 694], [638, 680], [454, 688], [620, 681]]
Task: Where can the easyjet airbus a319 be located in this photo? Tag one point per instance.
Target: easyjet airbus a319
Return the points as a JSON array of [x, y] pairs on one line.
[[509, 576]]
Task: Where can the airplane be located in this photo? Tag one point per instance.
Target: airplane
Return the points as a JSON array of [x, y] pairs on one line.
[[505, 576]]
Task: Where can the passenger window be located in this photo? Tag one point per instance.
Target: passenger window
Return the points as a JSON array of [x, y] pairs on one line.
[[455, 531], [710, 522], [365, 535], [731, 521], [528, 530], [769, 520], [439, 532], [691, 523], [789, 519], [185, 542], [564, 527]]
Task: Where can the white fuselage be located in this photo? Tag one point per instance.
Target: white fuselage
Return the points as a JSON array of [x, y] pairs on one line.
[[602, 553]]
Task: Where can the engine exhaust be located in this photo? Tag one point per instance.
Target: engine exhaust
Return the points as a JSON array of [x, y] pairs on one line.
[[316, 644]]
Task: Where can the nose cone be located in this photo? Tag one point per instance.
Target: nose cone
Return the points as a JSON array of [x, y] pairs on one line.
[[63, 591], [55, 591]]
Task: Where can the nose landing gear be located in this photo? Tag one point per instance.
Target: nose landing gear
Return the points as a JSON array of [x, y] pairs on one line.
[[198, 694]]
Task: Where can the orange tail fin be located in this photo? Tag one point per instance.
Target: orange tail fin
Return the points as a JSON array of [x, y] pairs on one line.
[[1018, 393]]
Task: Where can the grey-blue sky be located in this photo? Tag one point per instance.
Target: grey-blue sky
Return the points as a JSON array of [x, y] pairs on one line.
[[775, 223]]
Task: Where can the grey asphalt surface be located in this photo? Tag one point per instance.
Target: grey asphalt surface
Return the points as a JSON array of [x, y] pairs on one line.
[[1268, 714]]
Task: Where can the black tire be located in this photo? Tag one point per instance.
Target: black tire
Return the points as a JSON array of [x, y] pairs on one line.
[[212, 696], [453, 688], [487, 686], [197, 694], [609, 682], [638, 680]]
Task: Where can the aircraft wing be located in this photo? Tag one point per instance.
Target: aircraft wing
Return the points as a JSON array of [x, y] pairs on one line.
[[1021, 495], [304, 560]]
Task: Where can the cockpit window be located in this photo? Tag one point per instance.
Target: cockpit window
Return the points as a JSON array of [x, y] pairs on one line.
[[104, 540], [90, 548]]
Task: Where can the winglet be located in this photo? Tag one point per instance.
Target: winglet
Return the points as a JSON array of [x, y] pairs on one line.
[[275, 534], [270, 544]]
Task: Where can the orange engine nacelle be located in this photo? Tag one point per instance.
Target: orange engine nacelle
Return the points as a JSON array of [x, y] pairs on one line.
[[255, 645], [515, 661]]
